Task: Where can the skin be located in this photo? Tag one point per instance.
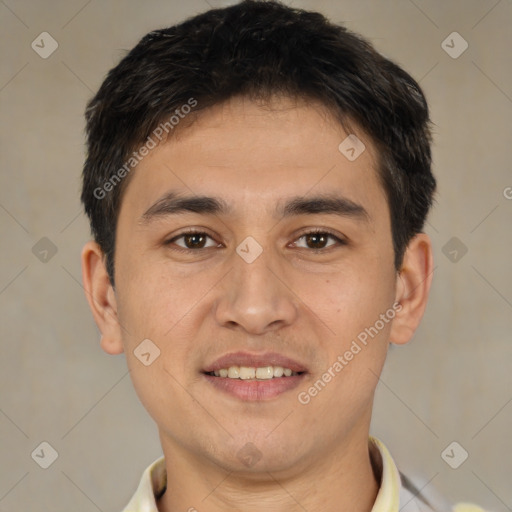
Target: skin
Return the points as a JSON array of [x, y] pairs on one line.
[[307, 304]]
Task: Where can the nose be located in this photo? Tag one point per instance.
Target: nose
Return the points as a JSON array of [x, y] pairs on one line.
[[255, 297]]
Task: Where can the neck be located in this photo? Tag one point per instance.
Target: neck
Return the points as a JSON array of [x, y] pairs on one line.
[[342, 479]]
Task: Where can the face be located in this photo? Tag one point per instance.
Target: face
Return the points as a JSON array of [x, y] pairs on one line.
[[285, 262]]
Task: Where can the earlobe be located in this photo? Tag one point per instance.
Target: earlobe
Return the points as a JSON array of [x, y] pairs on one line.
[[412, 288], [101, 297]]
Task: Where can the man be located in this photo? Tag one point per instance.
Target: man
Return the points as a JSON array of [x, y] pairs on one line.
[[257, 181]]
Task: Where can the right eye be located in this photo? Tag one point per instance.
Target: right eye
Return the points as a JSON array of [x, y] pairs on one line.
[[192, 241]]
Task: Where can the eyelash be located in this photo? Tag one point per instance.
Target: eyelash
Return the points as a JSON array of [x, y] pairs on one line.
[[339, 240]]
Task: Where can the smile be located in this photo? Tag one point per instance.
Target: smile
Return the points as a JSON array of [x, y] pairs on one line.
[[254, 376]]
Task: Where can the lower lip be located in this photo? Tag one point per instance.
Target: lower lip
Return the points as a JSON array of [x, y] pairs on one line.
[[253, 390]]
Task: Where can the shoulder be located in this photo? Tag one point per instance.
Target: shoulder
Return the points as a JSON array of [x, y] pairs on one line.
[[397, 488]]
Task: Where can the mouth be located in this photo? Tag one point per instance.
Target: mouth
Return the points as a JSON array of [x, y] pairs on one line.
[[254, 376]]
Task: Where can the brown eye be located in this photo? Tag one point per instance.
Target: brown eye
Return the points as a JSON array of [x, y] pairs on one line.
[[192, 240], [318, 240]]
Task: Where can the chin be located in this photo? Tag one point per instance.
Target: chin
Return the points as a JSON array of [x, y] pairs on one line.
[[260, 455]]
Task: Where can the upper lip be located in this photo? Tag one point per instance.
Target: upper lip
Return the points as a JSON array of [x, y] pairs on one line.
[[254, 361]]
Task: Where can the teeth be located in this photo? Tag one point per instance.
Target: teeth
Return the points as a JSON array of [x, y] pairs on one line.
[[250, 373], [247, 373], [234, 372], [267, 372], [278, 371]]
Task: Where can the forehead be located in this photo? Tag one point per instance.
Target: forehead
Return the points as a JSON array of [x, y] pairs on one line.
[[258, 153]]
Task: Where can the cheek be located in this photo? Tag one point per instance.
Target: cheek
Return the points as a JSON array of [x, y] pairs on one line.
[[170, 310], [162, 391], [358, 308], [359, 314], [350, 299], [159, 307], [153, 298]]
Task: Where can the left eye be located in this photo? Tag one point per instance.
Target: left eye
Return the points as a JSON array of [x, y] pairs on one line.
[[317, 240]]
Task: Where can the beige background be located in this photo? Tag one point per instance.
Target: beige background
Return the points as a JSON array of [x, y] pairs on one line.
[[452, 383]]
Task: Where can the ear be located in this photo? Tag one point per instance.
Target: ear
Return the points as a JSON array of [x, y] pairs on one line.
[[101, 297], [412, 288]]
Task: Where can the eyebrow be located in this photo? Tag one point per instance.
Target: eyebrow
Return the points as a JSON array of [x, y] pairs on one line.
[[173, 203]]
